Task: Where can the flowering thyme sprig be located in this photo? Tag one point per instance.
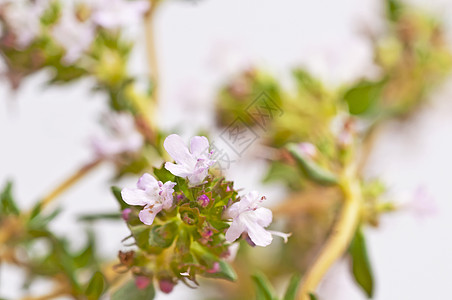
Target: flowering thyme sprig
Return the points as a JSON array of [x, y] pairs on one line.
[[181, 219]]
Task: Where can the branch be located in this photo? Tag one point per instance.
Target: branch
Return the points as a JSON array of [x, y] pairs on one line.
[[340, 236]]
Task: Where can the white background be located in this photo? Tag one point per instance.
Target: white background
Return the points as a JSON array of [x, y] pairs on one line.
[[44, 132]]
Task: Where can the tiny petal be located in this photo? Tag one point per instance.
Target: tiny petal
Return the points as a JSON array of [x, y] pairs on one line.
[[134, 196], [177, 149], [234, 231], [146, 180], [258, 234], [147, 215], [199, 145]]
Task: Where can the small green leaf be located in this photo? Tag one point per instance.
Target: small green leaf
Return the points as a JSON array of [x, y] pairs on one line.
[[117, 193], [99, 217], [182, 185], [264, 290], [311, 169], [363, 97], [284, 173], [292, 288], [131, 291], [8, 205], [361, 268], [163, 174], [95, 286], [312, 296], [163, 235]]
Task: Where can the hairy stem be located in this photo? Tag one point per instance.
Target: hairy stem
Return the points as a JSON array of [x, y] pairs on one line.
[[340, 236], [69, 182]]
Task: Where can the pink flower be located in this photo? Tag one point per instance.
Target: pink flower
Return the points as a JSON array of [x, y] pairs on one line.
[[23, 18], [247, 216], [422, 204], [192, 164], [308, 150], [73, 35], [152, 194]]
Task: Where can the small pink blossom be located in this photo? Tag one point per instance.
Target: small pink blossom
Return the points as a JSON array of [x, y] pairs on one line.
[[203, 200], [152, 194], [247, 216], [23, 18], [308, 150], [422, 204], [73, 35], [190, 163], [125, 214]]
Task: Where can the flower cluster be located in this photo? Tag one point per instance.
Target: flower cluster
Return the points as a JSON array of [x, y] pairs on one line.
[[185, 220]]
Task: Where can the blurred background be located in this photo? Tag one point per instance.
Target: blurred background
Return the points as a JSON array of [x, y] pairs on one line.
[[45, 132]]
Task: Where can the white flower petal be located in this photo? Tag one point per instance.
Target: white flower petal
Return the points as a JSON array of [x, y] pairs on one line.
[[257, 233], [135, 196], [264, 216], [146, 181], [235, 230], [177, 170], [147, 215], [177, 149], [199, 146]]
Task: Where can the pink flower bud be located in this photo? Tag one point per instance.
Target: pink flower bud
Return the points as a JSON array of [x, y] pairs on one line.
[[166, 285], [142, 282], [308, 150], [125, 214], [215, 268], [203, 200]]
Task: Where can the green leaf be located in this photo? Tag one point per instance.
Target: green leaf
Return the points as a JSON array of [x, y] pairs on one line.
[[182, 185], [225, 272], [393, 9], [284, 173], [363, 97], [99, 217], [264, 290], [117, 193], [95, 286], [163, 174], [163, 235], [311, 169], [8, 205], [361, 268], [312, 296], [130, 291], [292, 288]]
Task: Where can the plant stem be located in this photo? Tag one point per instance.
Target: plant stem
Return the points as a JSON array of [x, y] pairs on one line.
[[151, 50], [340, 236], [69, 182]]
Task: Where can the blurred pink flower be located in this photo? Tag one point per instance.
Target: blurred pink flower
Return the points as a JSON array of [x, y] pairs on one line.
[[23, 18], [113, 14], [247, 216], [308, 150], [422, 204], [190, 163], [122, 138], [152, 194], [73, 35]]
